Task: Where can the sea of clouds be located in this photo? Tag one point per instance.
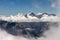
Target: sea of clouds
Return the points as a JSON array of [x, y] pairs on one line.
[[52, 34]]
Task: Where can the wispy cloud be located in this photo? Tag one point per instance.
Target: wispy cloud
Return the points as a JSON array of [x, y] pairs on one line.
[[53, 5]]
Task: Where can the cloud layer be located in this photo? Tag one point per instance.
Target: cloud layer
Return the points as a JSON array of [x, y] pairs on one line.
[[31, 17]]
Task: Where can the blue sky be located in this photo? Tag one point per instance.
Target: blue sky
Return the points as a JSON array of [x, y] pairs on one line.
[[8, 7]]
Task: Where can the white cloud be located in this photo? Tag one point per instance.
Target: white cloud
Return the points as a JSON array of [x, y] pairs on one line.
[[53, 5]]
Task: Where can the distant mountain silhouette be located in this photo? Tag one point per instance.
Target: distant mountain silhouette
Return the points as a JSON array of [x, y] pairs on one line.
[[40, 15]]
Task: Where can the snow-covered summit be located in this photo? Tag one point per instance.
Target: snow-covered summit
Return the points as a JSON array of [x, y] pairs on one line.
[[31, 17]]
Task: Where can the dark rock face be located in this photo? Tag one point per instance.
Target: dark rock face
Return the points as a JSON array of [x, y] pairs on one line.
[[33, 29], [32, 14]]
